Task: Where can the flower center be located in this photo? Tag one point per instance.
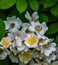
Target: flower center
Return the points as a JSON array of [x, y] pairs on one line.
[[27, 31], [41, 41], [5, 42], [31, 40], [38, 28], [12, 25], [33, 19], [41, 58], [25, 56], [1, 51]]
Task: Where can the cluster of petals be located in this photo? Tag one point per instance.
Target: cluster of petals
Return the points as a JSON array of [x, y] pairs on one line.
[[26, 42]]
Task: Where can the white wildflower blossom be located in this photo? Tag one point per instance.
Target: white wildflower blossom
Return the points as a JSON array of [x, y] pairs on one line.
[[3, 53], [31, 41], [25, 57], [14, 58], [34, 16], [50, 58], [20, 44], [5, 42], [48, 48], [13, 23], [37, 27]]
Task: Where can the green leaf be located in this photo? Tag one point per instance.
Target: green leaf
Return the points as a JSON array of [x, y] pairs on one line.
[[21, 5], [53, 28], [54, 10], [2, 15], [56, 40], [5, 4], [2, 29], [4, 62], [48, 3], [17, 14], [34, 4], [43, 18]]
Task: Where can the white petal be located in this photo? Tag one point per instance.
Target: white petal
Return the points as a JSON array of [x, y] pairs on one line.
[[27, 15], [6, 25], [53, 44], [18, 41], [13, 58], [47, 52], [35, 15], [21, 48], [48, 60], [52, 48], [44, 25], [53, 57], [3, 56], [31, 28], [26, 25]]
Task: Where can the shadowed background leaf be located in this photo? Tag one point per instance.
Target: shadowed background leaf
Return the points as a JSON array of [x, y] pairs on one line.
[[21, 5], [34, 4], [2, 29], [5, 4]]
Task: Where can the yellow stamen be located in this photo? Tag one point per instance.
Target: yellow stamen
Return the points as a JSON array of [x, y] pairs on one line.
[[5, 42], [25, 56], [31, 40]]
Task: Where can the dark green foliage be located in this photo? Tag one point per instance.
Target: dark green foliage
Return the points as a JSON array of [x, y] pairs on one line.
[[2, 29]]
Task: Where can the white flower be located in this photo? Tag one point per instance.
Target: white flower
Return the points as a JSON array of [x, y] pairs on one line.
[[31, 41], [38, 28], [25, 25], [13, 58], [13, 49], [48, 48], [13, 23], [3, 53], [25, 57], [50, 58], [13, 35], [20, 45], [25, 30], [43, 40], [5, 42], [34, 16]]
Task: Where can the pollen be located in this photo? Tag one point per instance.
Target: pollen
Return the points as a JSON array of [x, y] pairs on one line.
[[25, 56], [31, 40], [5, 42]]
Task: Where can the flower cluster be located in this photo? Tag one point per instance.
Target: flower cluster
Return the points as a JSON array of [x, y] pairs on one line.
[[26, 42]]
